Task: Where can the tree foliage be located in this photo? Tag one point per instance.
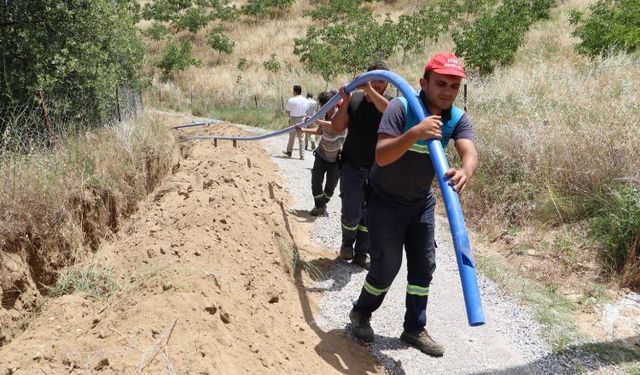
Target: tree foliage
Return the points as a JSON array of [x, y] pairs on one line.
[[218, 41], [347, 44], [614, 26], [191, 15], [176, 57], [269, 8], [76, 51], [493, 39], [485, 33]]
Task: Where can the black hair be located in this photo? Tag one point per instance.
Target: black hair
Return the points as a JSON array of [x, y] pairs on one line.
[[309, 95], [426, 75], [324, 97], [297, 89], [377, 65]]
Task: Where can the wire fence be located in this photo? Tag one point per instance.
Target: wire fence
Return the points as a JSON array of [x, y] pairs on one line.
[[33, 124]]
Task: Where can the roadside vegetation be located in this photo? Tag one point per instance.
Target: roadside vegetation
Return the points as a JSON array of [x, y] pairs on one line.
[[552, 92]]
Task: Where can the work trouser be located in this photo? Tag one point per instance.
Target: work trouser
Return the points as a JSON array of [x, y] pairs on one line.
[[296, 133], [322, 168], [353, 186], [391, 228], [308, 137]]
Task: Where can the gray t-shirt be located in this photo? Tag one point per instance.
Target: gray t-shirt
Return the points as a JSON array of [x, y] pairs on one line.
[[407, 181]]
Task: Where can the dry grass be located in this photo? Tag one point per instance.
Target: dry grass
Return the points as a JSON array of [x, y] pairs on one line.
[[69, 196]]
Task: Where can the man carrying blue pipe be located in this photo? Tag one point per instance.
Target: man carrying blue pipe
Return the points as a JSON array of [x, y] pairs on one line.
[[400, 208], [360, 113]]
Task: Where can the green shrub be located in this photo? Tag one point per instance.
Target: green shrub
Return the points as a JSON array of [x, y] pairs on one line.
[[96, 283], [176, 58], [347, 46], [269, 8], [156, 31], [614, 26], [220, 42], [77, 52], [617, 226], [194, 15], [493, 40], [272, 65]]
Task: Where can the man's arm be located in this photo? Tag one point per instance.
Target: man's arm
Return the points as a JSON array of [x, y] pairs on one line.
[[459, 177], [310, 130], [340, 120], [390, 148], [376, 98]]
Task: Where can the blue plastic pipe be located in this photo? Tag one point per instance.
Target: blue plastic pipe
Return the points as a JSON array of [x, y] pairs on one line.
[[466, 265]]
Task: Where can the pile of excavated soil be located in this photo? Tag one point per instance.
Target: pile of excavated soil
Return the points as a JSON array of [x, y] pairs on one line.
[[209, 282]]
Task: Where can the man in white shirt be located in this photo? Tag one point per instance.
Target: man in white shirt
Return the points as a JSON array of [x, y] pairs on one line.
[[296, 110]]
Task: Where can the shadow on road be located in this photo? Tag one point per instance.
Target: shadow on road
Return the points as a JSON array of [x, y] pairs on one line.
[[335, 347]]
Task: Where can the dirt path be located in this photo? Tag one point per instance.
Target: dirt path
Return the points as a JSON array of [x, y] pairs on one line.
[[509, 343], [207, 284]]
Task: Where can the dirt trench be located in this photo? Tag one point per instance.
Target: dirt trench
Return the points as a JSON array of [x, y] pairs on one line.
[[209, 282]]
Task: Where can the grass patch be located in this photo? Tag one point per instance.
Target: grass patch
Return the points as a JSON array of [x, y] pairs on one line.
[[553, 311], [295, 263], [97, 283], [617, 226], [251, 116], [555, 314]]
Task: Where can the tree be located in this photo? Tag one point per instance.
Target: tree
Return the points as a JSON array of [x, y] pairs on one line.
[[614, 26], [76, 51], [347, 44], [176, 58], [493, 39]]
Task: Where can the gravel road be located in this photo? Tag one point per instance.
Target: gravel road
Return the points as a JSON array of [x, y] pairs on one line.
[[509, 342]]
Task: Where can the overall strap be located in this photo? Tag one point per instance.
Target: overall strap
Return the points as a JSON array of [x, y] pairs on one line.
[[447, 127]]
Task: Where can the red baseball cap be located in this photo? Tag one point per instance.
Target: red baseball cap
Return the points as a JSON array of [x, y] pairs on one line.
[[445, 63]]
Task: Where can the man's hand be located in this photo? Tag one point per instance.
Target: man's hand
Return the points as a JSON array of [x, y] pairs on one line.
[[430, 127], [366, 87], [345, 97], [458, 178]]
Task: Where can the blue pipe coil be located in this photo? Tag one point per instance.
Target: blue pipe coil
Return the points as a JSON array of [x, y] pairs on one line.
[[464, 258]]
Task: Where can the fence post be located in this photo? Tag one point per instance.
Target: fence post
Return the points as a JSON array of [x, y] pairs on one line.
[[118, 104], [465, 97], [45, 115]]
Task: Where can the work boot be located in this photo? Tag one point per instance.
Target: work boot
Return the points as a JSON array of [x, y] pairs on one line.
[[360, 260], [424, 342], [346, 252], [317, 211], [360, 326]]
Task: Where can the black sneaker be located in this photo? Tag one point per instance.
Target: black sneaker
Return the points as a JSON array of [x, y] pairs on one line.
[[360, 260], [317, 211], [287, 153], [346, 252], [360, 326], [423, 342]]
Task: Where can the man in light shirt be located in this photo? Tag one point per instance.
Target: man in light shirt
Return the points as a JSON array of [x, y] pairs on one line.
[[296, 110]]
